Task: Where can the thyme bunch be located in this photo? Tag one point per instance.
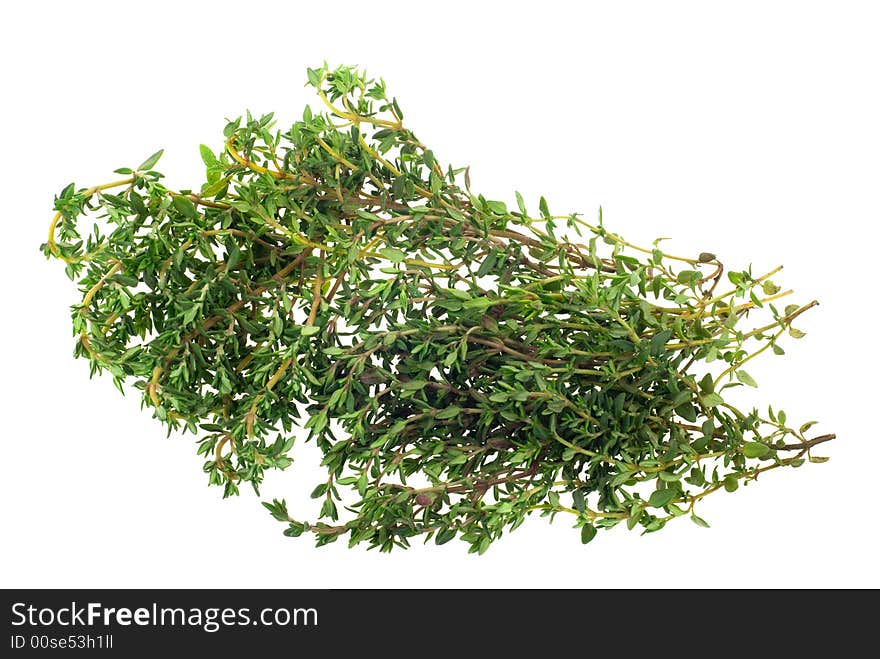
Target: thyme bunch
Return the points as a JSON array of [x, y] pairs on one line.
[[461, 364]]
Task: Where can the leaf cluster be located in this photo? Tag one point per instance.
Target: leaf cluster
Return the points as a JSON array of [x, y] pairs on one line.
[[461, 364]]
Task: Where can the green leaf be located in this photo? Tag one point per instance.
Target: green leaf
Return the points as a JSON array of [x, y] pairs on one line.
[[185, 207], [488, 263], [635, 514], [712, 400], [755, 450], [208, 157], [681, 398], [707, 384], [294, 530], [521, 205], [660, 498], [809, 424], [588, 532], [457, 293], [688, 277], [310, 330], [770, 288], [478, 303], [448, 412], [497, 207], [413, 385], [190, 314], [578, 501], [745, 378], [699, 521], [213, 189], [233, 256], [443, 536], [542, 206], [659, 340], [393, 254], [150, 162], [688, 412]]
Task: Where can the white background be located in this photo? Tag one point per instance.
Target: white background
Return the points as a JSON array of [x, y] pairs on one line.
[[747, 129]]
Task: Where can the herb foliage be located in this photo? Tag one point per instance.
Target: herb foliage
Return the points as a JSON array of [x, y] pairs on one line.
[[461, 364]]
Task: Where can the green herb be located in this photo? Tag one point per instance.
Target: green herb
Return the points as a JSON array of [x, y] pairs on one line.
[[459, 364]]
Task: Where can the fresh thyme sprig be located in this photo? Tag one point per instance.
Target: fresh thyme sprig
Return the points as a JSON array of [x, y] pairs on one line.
[[459, 364]]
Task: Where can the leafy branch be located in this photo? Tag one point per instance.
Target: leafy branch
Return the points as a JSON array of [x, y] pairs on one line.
[[460, 365]]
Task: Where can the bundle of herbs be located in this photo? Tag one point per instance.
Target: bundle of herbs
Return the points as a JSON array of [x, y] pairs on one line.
[[460, 364]]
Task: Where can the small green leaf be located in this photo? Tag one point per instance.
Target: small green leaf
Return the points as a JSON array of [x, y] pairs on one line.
[[310, 330], [444, 536], [658, 341], [712, 400], [770, 288], [150, 162], [578, 501], [635, 514], [688, 277], [294, 530], [393, 254], [588, 532], [809, 424], [208, 156], [660, 498], [232, 257], [185, 207], [213, 189], [413, 385], [745, 378], [542, 206], [755, 450], [448, 412], [521, 204], [707, 384], [699, 521], [478, 303]]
